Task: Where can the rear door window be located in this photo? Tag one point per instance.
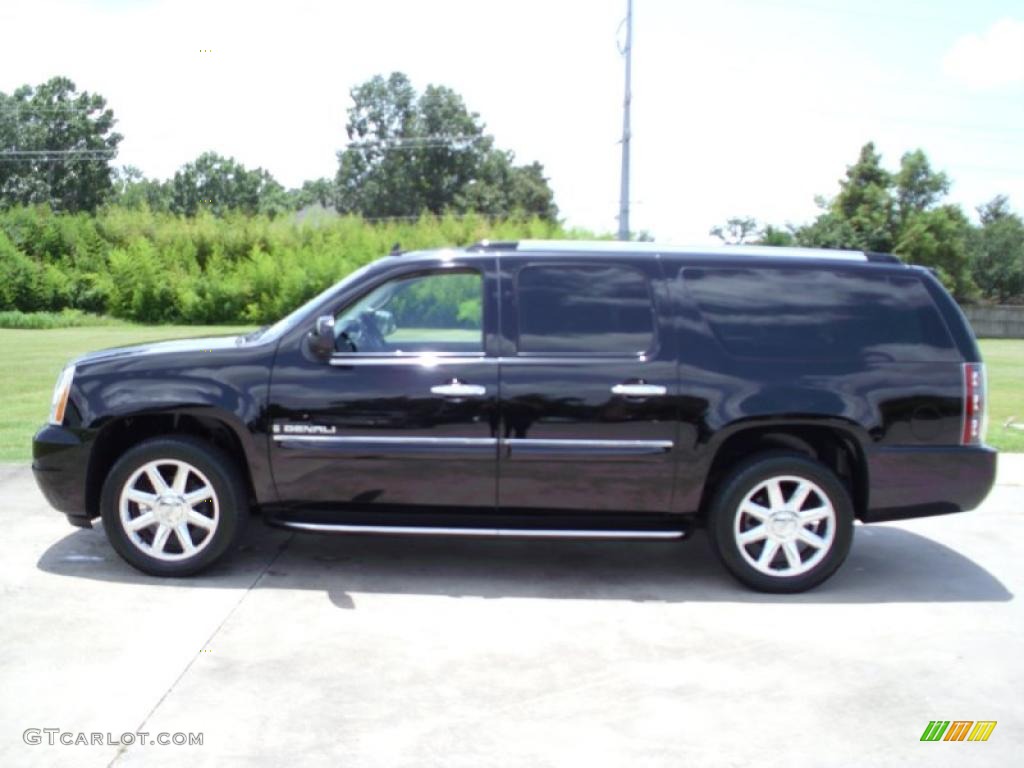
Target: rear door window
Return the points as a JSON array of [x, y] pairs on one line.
[[584, 310], [819, 314]]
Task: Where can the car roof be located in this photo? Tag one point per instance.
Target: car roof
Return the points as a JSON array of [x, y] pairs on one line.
[[592, 248]]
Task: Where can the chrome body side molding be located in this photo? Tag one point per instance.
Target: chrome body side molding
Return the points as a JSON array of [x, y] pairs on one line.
[[436, 361], [520, 446], [595, 447], [530, 533], [385, 440]]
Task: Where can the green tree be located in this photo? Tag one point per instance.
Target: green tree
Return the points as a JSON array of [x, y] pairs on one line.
[[772, 235], [865, 205], [410, 153], [997, 251], [56, 147], [918, 187], [221, 184], [899, 213], [737, 230], [133, 190], [829, 230], [316, 192], [502, 188], [937, 238]]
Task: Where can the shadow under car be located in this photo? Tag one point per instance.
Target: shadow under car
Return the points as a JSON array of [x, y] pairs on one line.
[[886, 565]]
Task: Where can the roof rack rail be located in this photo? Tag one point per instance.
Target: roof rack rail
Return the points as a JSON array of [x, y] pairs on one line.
[[886, 258], [616, 246], [493, 245]]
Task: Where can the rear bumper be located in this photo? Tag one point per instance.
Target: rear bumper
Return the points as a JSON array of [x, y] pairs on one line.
[[921, 481], [60, 461]]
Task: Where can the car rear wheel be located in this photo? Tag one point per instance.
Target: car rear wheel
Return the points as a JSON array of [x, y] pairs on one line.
[[782, 523], [172, 506]]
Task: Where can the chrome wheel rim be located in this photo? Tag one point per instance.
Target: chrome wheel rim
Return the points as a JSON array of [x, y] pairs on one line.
[[169, 510], [785, 526]]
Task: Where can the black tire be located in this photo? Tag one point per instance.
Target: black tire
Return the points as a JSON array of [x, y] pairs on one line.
[[726, 523], [229, 500]]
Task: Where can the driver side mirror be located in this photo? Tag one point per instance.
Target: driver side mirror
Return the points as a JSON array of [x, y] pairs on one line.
[[321, 338]]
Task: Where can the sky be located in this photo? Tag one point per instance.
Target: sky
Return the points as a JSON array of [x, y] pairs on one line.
[[740, 107]]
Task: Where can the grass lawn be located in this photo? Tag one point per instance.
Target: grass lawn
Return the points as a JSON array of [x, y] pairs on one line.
[[466, 335], [32, 360], [1004, 363]]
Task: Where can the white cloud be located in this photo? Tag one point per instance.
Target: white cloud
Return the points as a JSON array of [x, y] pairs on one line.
[[989, 60]]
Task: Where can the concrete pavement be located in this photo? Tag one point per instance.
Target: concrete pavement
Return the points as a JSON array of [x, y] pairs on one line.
[[353, 651]]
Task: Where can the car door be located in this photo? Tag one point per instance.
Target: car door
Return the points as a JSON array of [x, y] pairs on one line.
[[587, 411], [404, 414]]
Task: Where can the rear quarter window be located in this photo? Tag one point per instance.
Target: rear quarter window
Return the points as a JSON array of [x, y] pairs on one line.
[[819, 314]]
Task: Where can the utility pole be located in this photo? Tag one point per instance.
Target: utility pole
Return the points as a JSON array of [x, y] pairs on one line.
[[624, 188]]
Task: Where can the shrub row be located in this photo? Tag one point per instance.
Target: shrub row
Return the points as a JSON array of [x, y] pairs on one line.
[[42, 321], [160, 268]]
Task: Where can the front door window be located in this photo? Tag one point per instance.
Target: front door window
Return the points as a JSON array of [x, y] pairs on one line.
[[435, 313]]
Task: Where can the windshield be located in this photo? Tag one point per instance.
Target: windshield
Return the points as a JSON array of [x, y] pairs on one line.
[[290, 320]]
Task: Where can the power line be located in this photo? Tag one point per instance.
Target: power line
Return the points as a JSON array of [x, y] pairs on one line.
[[414, 142], [51, 109], [410, 147], [33, 153], [440, 216], [53, 157], [40, 159]]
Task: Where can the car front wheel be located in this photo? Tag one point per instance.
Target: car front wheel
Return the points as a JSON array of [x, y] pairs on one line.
[[172, 506], [782, 523]]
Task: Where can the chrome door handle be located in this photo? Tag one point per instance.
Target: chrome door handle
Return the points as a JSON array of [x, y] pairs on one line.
[[639, 390], [456, 388]]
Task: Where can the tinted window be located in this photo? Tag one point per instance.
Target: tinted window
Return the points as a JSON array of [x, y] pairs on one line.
[[438, 312], [584, 310], [819, 314]]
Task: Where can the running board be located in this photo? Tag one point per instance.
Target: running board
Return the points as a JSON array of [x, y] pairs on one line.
[[531, 533]]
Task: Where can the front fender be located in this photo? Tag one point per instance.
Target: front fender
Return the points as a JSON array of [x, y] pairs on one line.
[[234, 396]]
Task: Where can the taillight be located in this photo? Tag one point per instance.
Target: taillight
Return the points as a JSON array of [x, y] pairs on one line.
[[975, 404]]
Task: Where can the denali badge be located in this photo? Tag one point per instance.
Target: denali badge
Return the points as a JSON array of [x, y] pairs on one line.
[[305, 429]]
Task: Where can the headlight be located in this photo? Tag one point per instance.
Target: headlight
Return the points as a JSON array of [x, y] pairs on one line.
[[60, 395]]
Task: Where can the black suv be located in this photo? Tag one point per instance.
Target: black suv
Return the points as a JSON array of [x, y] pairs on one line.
[[538, 389]]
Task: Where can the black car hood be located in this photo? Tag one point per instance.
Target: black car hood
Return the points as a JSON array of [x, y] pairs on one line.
[[208, 344]]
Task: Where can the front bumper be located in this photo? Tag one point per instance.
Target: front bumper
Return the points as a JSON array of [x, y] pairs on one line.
[[922, 481], [60, 462]]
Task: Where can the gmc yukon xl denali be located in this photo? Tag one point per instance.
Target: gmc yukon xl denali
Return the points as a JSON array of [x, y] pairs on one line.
[[538, 389]]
